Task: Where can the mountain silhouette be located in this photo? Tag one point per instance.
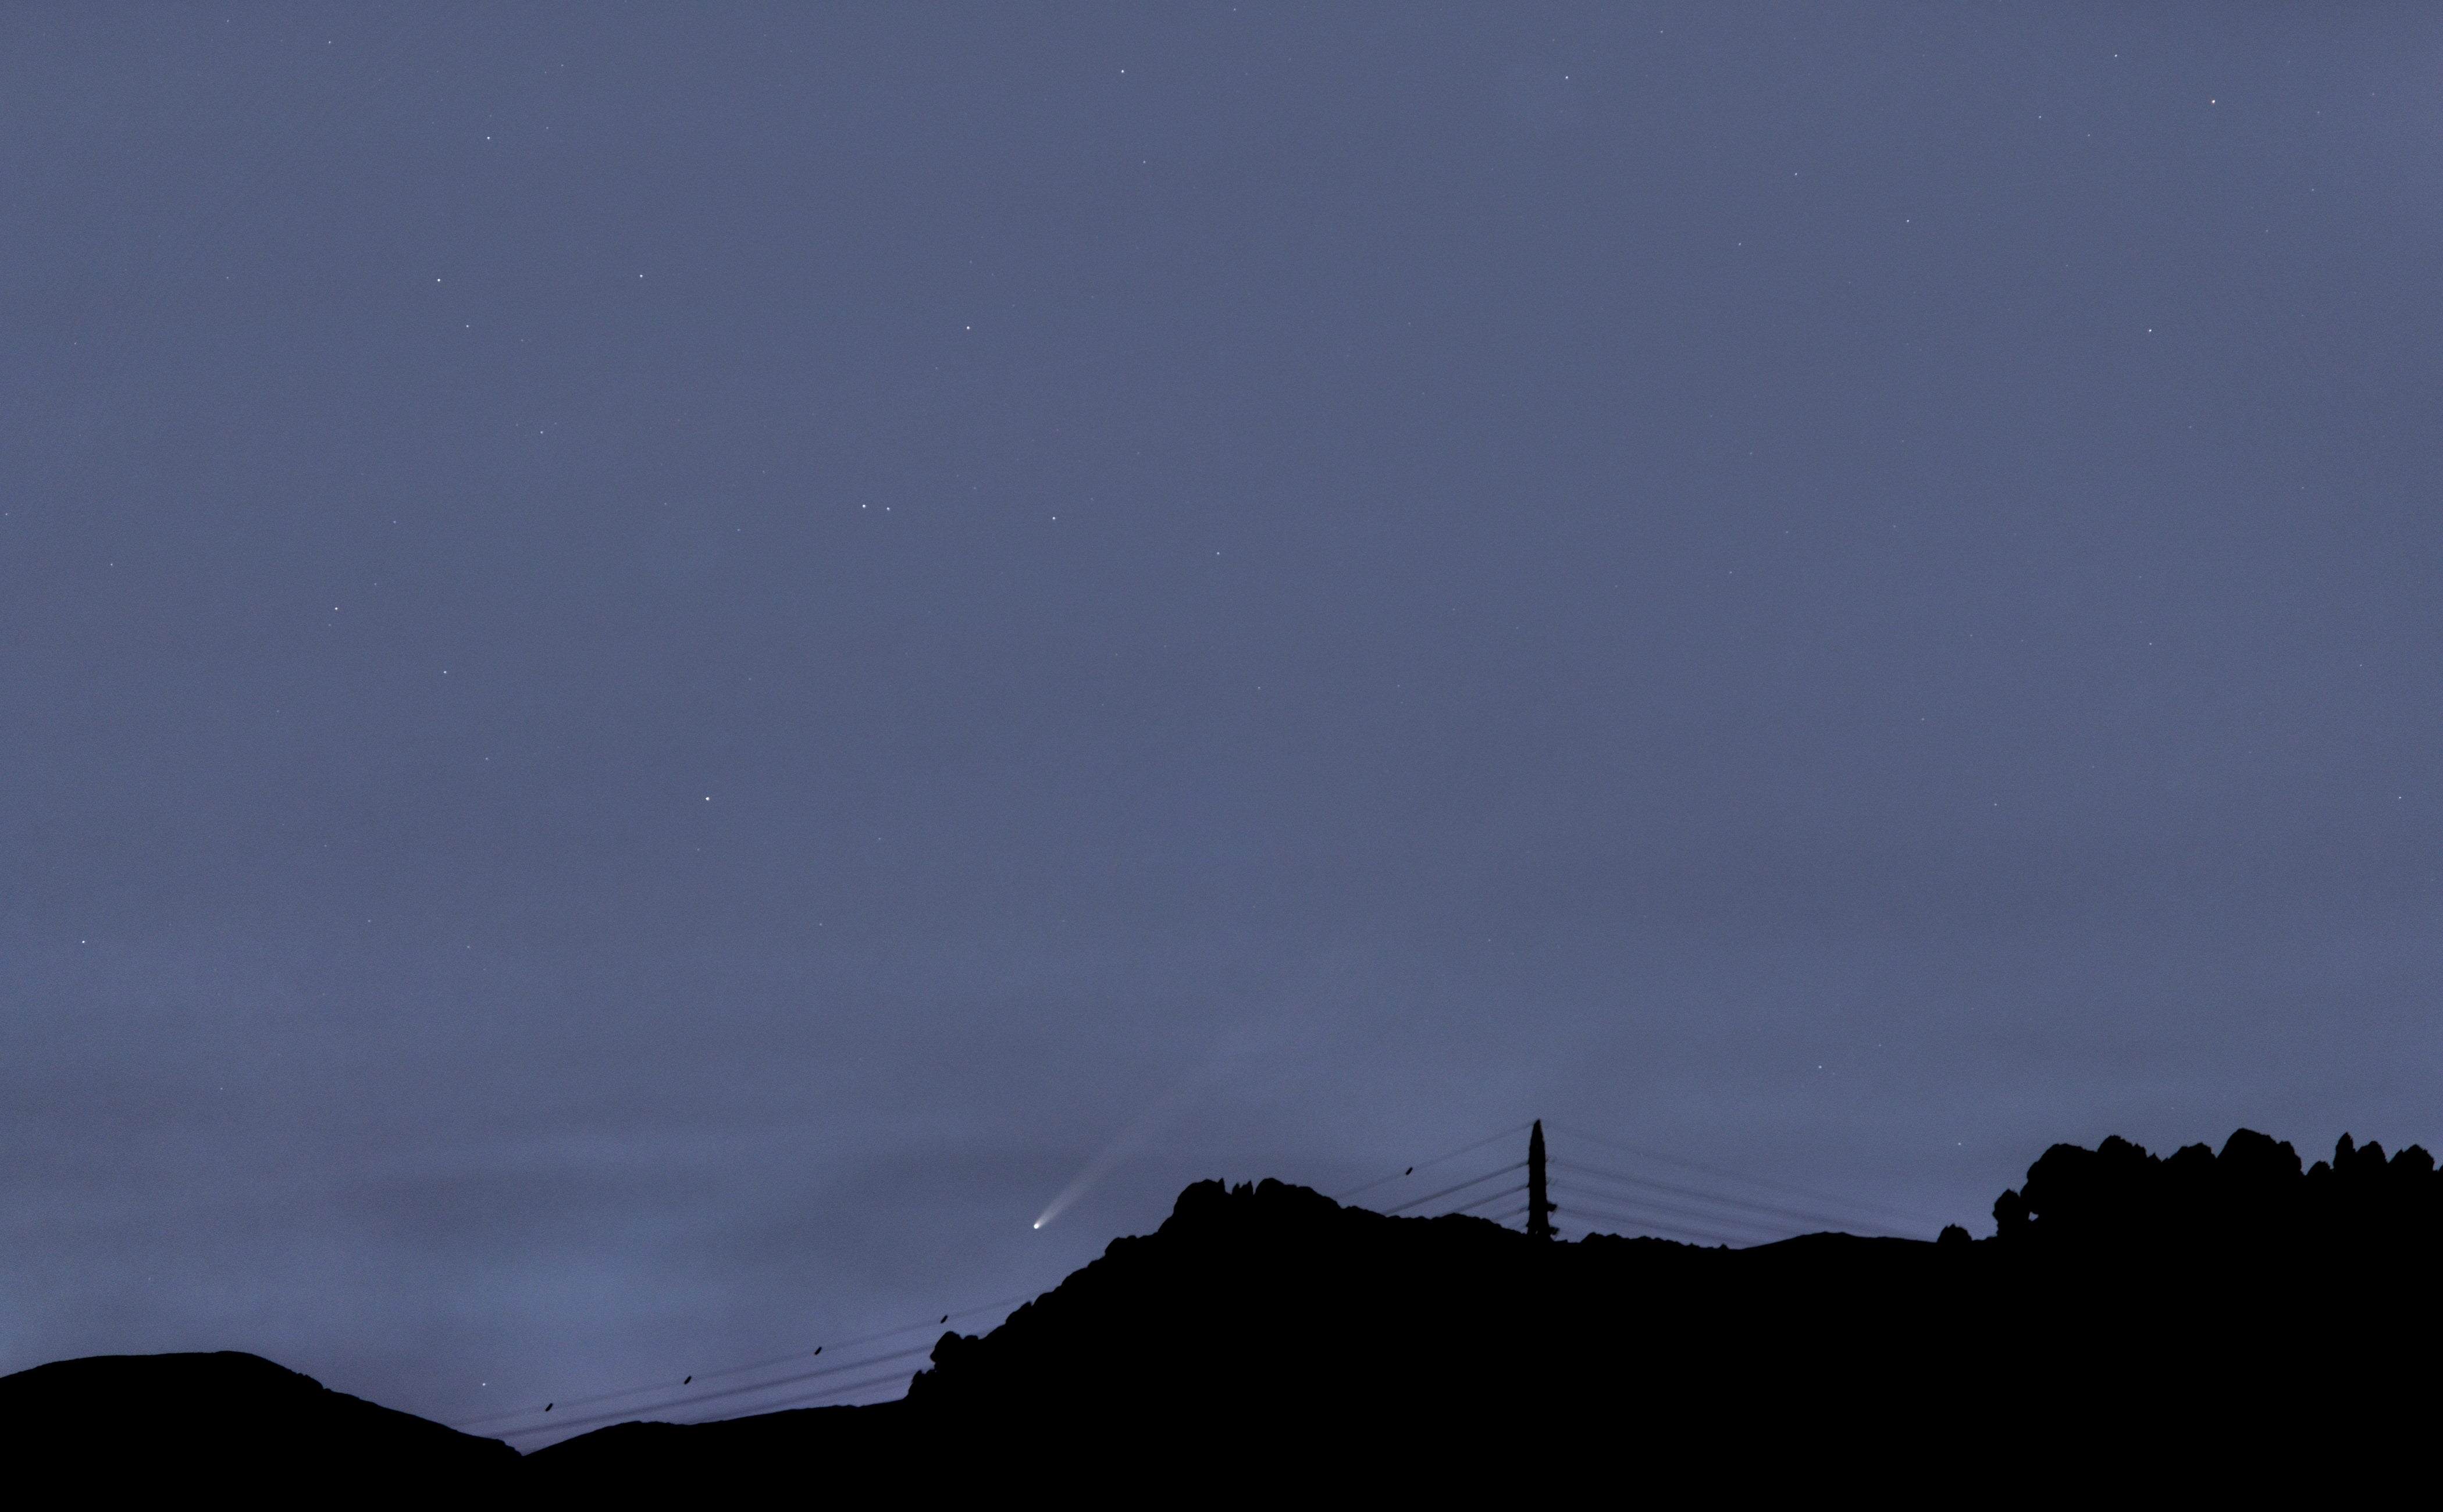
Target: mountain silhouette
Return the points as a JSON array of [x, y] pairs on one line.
[[2200, 1323]]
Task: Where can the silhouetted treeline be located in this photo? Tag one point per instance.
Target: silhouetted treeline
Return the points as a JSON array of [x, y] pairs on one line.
[[2252, 1196], [2182, 1326]]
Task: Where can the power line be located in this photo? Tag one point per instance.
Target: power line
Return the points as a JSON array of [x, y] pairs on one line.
[[1681, 1218], [1427, 1165], [1634, 1200], [811, 1397], [1466, 1207], [936, 1322], [1615, 1201], [1446, 1192], [908, 1328], [696, 1399], [1647, 1184], [1733, 1175], [1648, 1207]]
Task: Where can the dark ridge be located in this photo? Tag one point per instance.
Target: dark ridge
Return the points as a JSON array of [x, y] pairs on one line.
[[2224, 1323], [232, 1421]]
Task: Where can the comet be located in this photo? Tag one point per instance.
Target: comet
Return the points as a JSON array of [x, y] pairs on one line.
[[1130, 1139], [1252, 1043]]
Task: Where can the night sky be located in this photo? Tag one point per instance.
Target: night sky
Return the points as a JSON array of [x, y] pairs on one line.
[[659, 667]]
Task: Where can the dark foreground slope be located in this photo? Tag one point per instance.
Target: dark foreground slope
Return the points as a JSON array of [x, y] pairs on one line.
[[2206, 1323], [2202, 1320], [125, 1425]]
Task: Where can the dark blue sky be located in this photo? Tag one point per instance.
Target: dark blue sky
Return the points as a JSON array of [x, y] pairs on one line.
[[657, 666]]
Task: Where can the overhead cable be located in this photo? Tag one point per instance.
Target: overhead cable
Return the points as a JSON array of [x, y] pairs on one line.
[[1733, 1175], [1648, 1184], [694, 1398], [1433, 1197], [1469, 1206], [835, 1345], [1426, 1165], [843, 1389], [1637, 1202]]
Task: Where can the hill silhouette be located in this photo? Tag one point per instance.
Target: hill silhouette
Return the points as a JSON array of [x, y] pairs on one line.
[[234, 1422], [2166, 1325]]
